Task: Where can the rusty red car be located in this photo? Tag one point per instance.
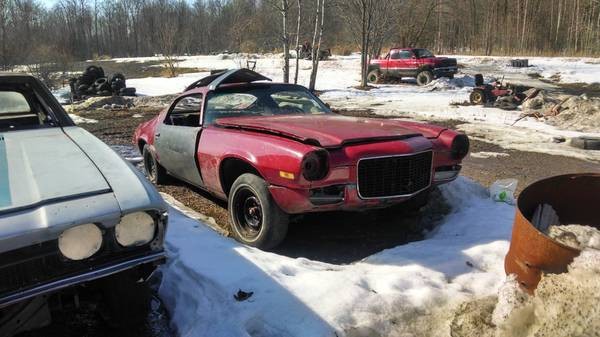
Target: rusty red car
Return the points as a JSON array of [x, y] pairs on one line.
[[274, 150]]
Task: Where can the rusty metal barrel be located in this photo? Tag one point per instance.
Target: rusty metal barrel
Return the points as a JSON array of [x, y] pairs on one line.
[[576, 200]]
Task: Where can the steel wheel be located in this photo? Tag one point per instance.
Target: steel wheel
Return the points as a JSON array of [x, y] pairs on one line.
[[248, 213], [256, 219]]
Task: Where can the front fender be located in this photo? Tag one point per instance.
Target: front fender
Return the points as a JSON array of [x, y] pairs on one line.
[[268, 154]]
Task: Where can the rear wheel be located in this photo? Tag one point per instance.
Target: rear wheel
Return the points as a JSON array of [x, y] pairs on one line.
[[424, 77], [154, 171], [374, 76], [477, 97], [256, 220]]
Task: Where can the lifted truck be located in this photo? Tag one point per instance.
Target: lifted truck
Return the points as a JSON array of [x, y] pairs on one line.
[[417, 63]]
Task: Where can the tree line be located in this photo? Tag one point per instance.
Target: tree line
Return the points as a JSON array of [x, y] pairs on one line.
[[85, 29]]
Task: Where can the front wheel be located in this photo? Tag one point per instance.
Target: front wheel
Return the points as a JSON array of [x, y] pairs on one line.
[[256, 220], [424, 77]]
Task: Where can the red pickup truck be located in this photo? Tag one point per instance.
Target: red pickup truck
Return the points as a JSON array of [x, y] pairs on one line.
[[411, 62]]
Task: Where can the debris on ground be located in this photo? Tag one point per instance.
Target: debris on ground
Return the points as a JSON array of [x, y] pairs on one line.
[[242, 295], [94, 82], [580, 113], [503, 190], [586, 143], [519, 63]]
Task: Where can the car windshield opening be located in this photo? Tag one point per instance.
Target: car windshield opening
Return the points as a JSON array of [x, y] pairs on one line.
[[262, 101], [20, 109], [423, 53]]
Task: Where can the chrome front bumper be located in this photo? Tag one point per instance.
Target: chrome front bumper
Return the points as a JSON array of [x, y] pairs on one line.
[[95, 274]]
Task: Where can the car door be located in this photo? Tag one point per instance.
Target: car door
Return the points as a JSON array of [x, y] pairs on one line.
[[406, 63], [176, 139]]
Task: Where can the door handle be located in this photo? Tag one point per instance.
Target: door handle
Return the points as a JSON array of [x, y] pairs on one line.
[[157, 135]]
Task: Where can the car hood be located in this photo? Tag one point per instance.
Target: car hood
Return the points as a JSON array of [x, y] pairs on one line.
[[324, 130], [44, 166]]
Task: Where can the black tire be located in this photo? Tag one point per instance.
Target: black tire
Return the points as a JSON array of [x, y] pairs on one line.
[[127, 92], [154, 171], [256, 220], [86, 79], [477, 97], [117, 77], [374, 76], [94, 71], [586, 143], [424, 77], [117, 85], [478, 80], [83, 88], [450, 76], [105, 93]]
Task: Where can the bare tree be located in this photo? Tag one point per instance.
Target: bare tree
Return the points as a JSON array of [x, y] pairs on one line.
[[316, 45], [167, 36], [298, 20], [361, 16]]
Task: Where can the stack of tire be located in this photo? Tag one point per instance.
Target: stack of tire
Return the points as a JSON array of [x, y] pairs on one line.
[[93, 82]]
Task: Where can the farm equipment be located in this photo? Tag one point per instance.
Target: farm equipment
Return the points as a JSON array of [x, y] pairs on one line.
[[503, 96]]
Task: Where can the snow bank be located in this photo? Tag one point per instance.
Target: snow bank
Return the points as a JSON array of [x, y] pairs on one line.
[[397, 291]]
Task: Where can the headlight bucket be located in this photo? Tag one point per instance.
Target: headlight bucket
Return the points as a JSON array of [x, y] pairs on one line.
[[315, 165], [135, 229], [80, 242], [460, 146]]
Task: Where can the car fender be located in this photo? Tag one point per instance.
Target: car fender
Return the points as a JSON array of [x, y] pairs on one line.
[[269, 155], [131, 189]]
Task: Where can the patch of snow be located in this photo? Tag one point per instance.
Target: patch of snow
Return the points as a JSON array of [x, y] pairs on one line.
[[461, 259], [486, 154], [82, 120]]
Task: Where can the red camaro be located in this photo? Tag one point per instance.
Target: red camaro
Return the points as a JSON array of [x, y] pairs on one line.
[[272, 150]]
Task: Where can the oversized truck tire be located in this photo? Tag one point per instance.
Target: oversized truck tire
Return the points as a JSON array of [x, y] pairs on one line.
[[374, 76], [424, 77], [256, 220]]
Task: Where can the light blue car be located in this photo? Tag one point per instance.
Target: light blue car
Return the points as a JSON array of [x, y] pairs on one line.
[[71, 209]]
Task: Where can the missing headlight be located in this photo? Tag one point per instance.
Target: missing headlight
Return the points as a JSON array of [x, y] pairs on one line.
[[80, 242], [135, 229]]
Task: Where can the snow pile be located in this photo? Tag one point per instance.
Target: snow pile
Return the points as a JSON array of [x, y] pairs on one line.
[[575, 236], [564, 304], [579, 113], [400, 291]]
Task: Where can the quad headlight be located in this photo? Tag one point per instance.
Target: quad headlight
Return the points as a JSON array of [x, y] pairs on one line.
[[135, 229], [80, 242]]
